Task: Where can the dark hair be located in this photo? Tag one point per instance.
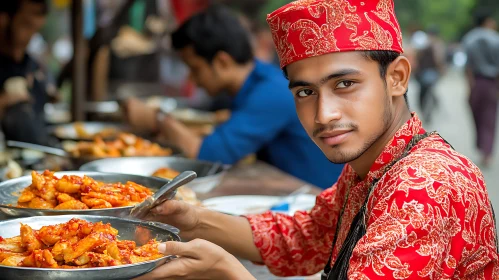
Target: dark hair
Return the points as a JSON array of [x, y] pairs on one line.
[[12, 7], [481, 16], [383, 58], [213, 30]]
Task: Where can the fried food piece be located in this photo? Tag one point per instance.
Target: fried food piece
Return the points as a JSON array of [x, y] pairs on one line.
[[95, 203], [14, 260], [40, 203], [26, 196], [72, 204], [40, 258], [13, 244], [64, 197], [28, 239], [69, 184]]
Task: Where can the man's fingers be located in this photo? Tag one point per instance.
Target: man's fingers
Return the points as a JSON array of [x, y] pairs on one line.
[[175, 269], [168, 207], [177, 248]]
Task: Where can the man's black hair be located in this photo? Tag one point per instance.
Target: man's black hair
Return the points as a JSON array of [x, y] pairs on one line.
[[11, 7], [383, 58], [481, 16], [213, 30]]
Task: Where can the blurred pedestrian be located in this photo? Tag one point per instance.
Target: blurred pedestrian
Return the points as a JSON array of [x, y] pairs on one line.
[[431, 65], [482, 48]]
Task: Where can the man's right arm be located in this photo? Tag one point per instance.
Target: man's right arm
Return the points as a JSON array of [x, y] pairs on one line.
[[288, 245]]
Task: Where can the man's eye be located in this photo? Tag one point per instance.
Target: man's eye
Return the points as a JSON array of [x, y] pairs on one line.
[[304, 93], [345, 84]]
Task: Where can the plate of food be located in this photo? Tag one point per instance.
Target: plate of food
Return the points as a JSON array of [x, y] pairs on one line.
[[81, 247], [125, 145], [87, 131], [76, 192], [81, 152]]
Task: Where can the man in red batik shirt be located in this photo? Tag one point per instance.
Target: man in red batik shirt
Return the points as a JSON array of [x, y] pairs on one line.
[[407, 206]]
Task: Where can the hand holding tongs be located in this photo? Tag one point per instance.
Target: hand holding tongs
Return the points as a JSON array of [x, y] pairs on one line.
[[164, 193]]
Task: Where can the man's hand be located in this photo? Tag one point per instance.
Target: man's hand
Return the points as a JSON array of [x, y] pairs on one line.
[[198, 259], [179, 214], [140, 116], [181, 136]]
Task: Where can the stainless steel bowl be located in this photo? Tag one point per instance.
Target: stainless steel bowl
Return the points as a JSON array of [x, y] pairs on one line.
[[10, 190], [128, 230], [146, 166]]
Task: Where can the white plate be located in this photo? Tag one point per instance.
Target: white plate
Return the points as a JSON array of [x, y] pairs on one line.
[[255, 204]]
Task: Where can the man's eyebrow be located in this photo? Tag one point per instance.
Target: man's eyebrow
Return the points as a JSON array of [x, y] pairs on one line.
[[335, 75]]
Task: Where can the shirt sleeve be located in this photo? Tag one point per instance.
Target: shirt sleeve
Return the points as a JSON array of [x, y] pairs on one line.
[[249, 128], [299, 244], [427, 227]]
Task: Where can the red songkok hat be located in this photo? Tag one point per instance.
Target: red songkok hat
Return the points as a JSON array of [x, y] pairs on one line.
[[308, 28]]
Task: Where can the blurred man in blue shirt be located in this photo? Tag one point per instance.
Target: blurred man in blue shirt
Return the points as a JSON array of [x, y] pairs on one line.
[[263, 121]]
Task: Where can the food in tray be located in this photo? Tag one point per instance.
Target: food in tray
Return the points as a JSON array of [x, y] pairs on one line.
[[75, 244], [183, 193], [72, 192], [107, 132], [126, 145]]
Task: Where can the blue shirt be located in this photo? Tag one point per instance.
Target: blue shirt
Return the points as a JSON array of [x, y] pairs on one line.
[[264, 121]]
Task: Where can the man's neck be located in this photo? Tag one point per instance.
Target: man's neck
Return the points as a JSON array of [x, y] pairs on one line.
[[239, 77], [363, 164]]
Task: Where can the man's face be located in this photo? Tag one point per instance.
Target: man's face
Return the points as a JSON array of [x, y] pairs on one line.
[[28, 20], [201, 72], [342, 103]]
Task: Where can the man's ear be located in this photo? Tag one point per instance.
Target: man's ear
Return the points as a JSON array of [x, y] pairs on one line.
[[223, 61], [398, 75]]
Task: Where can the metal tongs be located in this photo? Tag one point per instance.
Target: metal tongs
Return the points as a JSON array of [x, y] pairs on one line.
[[164, 193]]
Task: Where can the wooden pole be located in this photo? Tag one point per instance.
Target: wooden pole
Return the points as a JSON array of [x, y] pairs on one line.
[[78, 99]]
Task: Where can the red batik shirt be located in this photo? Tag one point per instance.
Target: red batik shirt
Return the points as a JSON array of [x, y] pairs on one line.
[[429, 217]]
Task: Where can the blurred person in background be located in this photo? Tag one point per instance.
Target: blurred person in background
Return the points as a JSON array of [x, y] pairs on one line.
[[23, 87], [430, 68], [217, 50], [482, 48]]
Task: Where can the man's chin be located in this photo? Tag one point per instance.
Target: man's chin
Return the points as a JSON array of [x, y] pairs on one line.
[[338, 156]]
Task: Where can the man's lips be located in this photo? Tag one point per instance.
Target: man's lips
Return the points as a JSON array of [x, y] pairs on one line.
[[335, 137]]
